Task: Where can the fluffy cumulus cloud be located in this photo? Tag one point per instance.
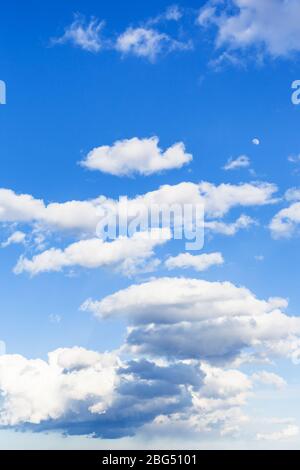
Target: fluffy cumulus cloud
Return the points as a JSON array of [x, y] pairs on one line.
[[192, 318], [142, 156], [79, 391], [83, 392], [220, 199], [271, 26], [131, 251], [286, 222], [19, 207], [82, 33], [217, 406], [197, 262], [36, 390], [166, 376], [93, 253], [70, 215], [83, 217]]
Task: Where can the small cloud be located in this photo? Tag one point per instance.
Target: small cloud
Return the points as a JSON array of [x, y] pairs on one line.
[[83, 34], [16, 238], [198, 262], [145, 40], [255, 141], [259, 257], [148, 43], [268, 378], [294, 158], [206, 15], [230, 229], [172, 13], [130, 156], [54, 318], [240, 162], [292, 194], [225, 59], [286, 433]]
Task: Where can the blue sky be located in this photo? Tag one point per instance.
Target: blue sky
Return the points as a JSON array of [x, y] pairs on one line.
[[213, 78]]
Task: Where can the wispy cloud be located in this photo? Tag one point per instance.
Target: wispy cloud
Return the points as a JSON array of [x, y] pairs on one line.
[[172, 13], [148, 43], [17, 237], [285, 433], [83, 33], [240, 162], [146, 40]]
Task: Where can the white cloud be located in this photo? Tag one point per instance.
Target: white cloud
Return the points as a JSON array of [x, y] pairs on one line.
[[220, 199], [36, 390], [81, 219], [17, 237], [206, 15], [222, 383], [269, 378], [95, 253], [148, 43], [294, 158], [19, 208], [146, 40], [225, 58], [84, 392], [54, 318], [172, 13], [285, 223], [83, 216], [82, 33], [198, 262], [292, 194], [286, 433], [271, 26], [181, 298], [217, 405], [240, 162], [219, 401], [255, 141], [192, 318], [143, 156], [243, 222]]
